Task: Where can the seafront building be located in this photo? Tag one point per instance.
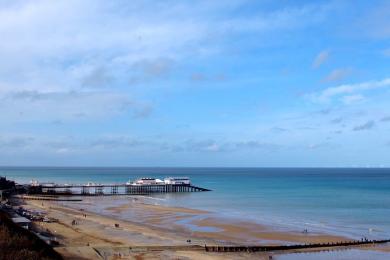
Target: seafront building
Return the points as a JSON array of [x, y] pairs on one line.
[[167, 181], [177, 181]]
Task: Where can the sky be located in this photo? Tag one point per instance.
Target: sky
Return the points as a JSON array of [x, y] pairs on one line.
[[195, 83]]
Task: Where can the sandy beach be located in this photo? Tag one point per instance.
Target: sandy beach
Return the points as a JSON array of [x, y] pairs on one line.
[[154, 231]]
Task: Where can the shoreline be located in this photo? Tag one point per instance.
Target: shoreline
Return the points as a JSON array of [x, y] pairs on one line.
[[196, 221], [156, 225]]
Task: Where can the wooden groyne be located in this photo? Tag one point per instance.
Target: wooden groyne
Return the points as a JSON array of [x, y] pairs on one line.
[[112, 189], [125, 251], [292, 247]]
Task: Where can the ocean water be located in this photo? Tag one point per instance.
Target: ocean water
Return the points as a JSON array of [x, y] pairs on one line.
[[350, 202]]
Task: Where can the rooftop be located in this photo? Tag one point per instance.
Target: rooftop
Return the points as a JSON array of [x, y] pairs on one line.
[[21, 220]]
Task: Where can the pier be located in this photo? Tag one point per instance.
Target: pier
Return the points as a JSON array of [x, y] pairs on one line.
[[111, 189]]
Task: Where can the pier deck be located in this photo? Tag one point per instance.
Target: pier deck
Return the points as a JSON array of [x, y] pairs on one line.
[[112, 189]]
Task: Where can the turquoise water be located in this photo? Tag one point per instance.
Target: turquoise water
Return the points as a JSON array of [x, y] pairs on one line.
[[352, 202]]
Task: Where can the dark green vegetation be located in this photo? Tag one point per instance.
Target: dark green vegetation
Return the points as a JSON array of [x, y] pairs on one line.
[[17, 243], [6, 184], [6, 188]]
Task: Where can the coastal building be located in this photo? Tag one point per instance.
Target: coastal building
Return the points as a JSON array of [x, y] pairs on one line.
[[148, 181], [22, 221], [177, 181], [34, 183]]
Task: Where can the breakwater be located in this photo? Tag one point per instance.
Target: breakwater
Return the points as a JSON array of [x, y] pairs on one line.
[[292, 247]]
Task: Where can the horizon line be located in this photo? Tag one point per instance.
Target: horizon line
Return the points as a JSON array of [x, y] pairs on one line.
[[205, 167]]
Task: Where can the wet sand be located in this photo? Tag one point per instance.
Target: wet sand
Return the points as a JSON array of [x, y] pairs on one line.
[[204, 225], [145, 225]]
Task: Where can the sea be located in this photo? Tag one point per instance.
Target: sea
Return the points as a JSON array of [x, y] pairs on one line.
[[353, 202]]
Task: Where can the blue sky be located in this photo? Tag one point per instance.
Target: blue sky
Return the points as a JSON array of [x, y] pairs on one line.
[[195, 83]]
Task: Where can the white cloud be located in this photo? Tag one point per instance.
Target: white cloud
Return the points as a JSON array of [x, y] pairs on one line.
[[337, 74], [343, 91], [62, 29], [53, 48], [376, 21], [386, 52], [285, 18], [366, 126], [60, 53], [321, 57], [11, 142], [93, 144], [351, 99], [71, 105]]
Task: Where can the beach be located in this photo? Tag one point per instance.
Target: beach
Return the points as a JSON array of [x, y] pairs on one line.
[[342, 202], [156, 232], [245, 207]]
